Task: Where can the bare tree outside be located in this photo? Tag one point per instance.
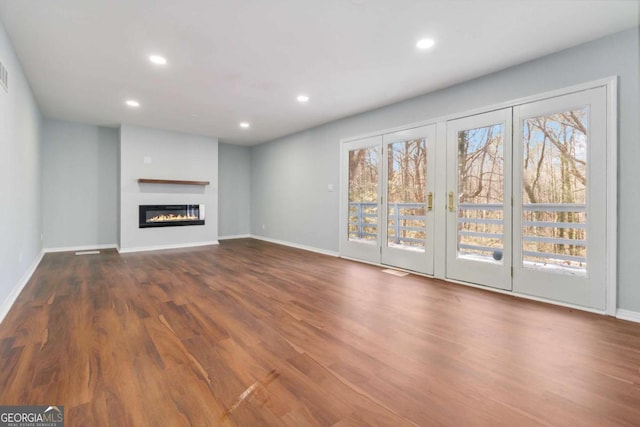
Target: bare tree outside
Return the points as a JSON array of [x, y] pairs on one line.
[[481, 192], [554, 189], [406, 193], [363, 194], [406, 187]]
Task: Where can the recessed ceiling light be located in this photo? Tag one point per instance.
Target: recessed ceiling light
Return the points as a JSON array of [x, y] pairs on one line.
[[244, 125], [303, 98], [132, 103], [158, 60], [425, 43]]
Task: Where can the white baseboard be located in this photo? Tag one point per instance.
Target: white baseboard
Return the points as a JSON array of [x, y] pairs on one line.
[[295, 245], [632, 316], [235, 236], [15, 292], [163, 247], [80, 248]]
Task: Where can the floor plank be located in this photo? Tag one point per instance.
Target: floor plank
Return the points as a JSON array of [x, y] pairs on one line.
[[250, 333]]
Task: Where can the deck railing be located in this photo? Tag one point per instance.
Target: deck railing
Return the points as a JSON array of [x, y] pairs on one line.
[[360, 227], [363, 226]]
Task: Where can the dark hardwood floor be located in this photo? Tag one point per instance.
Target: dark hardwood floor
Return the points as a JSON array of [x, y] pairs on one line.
[[250, 333]]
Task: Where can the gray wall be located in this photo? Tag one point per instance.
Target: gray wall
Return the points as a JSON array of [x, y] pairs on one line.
[[79, 184], [174, 155], [20, 213], [235, 185], [290, 175], [289, 181]]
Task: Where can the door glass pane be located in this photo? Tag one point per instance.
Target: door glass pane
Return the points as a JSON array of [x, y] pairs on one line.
[[406, 186], [554, 217], [481, 193], [363, 195]]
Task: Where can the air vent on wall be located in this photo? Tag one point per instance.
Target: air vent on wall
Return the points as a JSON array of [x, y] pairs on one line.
[[4, 77]]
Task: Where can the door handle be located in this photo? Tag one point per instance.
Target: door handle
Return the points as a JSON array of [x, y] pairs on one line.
[[451, 209], [429, 201]]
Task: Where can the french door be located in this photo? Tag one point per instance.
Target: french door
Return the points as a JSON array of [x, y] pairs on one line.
[[388, 202], [559, 198], [408, 174], [520, 203], [479, 199], [527, 198], [362, 200]]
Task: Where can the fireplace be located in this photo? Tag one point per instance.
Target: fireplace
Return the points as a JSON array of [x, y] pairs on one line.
[[170, 215]]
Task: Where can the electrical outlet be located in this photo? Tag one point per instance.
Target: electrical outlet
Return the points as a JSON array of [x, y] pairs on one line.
[[20, 257], [264, 227]]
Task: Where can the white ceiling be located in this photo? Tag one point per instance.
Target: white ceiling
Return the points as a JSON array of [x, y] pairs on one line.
[[247, 60]]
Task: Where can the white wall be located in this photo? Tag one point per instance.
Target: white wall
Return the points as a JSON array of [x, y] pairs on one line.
[[235, 185], [80, 184], [174, 155], [290, 175], [20, 213]]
